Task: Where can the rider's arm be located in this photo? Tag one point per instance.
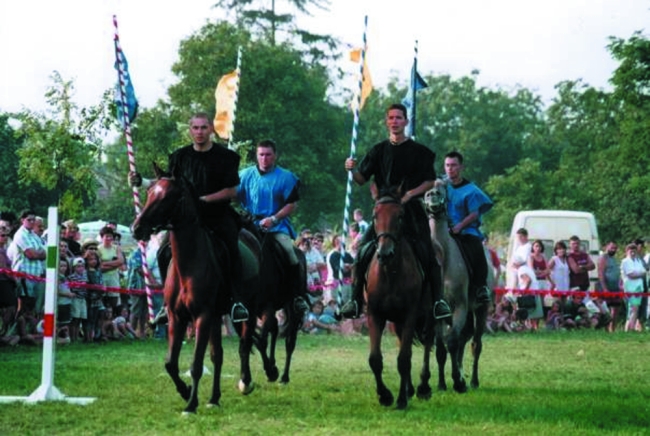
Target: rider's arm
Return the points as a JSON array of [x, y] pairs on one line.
[[351, 165], [272, 220], [417, 191], [225, 194], [465, 222]]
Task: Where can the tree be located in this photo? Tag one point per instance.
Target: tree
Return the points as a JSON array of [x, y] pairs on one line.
[[60, 149], [281, 96]]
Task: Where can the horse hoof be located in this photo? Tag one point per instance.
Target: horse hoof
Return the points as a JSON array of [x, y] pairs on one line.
[[401, 405], [244, 388], [386, 399], [460, 387], [474, 385], [212, 405], [272, 374], [442, 387], [187, 413], [284, 380], [424, 392]]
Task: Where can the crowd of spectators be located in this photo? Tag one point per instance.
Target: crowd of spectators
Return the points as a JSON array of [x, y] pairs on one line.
[[88, 313]]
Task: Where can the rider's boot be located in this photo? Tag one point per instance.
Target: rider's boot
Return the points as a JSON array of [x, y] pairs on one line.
[[161, 318], [300, 300], [239, 312], [483, 295]]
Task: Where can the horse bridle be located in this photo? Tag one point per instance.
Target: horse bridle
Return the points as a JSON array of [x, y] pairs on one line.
[[387, 200]]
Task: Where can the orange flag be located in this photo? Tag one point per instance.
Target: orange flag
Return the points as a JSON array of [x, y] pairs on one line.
[[366, 84], [226, 98]]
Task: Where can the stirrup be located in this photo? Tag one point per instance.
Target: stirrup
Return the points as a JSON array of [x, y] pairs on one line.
[[238, 313], [300, 305], [161, 317], [483, 295], [441, 310], [350, 310]]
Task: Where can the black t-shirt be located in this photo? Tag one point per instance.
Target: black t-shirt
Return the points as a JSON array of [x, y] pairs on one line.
[[409, 162], [208, 172]]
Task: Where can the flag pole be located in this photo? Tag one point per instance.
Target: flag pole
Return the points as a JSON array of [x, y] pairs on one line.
[[234, 107], [126, 123], [353, 152], [414, 90]]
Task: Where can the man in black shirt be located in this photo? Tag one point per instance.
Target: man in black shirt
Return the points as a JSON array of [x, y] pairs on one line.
[[398, 160], [212, 170]]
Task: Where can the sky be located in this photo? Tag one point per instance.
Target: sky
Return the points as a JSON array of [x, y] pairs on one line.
[[529, 43]]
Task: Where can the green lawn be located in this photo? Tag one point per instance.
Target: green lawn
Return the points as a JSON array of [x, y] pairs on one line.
[[546, 383]]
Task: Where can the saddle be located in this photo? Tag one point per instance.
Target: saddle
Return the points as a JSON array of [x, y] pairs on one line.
[[463, 252]]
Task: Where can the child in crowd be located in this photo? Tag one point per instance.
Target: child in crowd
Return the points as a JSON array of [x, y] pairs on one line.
[[317, 322], [64, 302], [502, 316], [94, 299], [123, 327], [79, 308], [109, 331]]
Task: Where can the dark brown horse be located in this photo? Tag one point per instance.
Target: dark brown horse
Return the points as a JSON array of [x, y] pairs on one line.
[[194, 287], [469, 318], [278, 282], [396, 291]]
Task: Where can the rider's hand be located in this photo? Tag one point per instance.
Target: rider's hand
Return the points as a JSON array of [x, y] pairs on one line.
[[135, 179], [350, 164]]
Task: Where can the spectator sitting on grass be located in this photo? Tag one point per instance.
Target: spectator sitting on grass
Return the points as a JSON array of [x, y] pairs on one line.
[[317, 322]]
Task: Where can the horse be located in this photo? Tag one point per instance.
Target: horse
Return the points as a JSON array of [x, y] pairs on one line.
[[277, 289], [194, 288], [468, 317], [396, 291]]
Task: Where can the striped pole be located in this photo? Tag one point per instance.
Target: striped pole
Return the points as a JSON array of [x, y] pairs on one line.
[[129, 151], [234, 105], [47, 391], [353, 152]]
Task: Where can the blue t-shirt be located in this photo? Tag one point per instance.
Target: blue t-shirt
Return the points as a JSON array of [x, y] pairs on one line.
[[264, 194], [464, 199]]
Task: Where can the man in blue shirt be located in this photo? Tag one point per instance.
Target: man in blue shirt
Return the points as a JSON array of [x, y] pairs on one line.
[[270, 194], [466, 203]]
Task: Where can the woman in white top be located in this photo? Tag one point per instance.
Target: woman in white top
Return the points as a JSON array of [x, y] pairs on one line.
[[558, 265], [633, 273]]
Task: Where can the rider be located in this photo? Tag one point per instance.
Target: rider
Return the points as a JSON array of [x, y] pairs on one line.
[[211, 169], [398, 160], [270, 194], [466, 203]]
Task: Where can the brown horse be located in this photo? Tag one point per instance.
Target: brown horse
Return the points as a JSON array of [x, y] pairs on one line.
[[468, 321], [396, 291], [194, 286]]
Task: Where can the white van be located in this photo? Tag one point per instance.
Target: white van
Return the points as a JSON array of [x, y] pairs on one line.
[[551, 226]]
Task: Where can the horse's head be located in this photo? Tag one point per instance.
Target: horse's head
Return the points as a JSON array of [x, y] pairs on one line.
[[435, 199], [163, 205], [387, 217]]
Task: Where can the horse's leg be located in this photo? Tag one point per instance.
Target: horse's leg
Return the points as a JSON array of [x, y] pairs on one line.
[[477, 342], [375, 328], [290, 339], [176, 330], [216, 355], [455, 346], [404, 356], [246, 385], [424, 389], [441, 356], [203, 329]]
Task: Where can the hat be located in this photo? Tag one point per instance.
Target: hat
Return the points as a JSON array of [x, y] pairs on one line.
[[78, 261], [89, 243]]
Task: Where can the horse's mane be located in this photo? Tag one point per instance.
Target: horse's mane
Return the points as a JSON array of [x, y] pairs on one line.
[[391, 192]]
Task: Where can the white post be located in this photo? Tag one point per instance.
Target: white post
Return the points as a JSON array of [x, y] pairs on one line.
[[47, 391]]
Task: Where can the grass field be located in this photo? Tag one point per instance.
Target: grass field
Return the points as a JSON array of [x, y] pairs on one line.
[[546, 383]]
